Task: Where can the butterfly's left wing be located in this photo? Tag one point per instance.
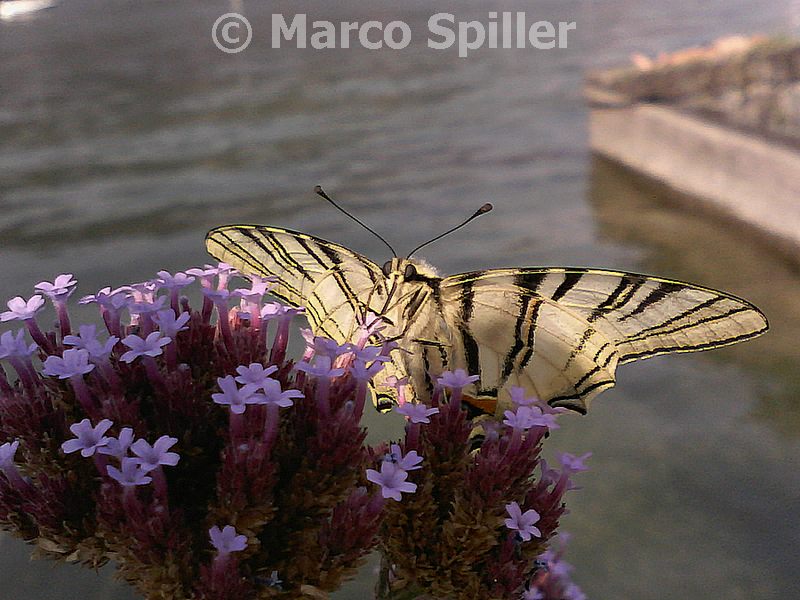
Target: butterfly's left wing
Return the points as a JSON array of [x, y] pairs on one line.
[[561, 332], [335, 285]]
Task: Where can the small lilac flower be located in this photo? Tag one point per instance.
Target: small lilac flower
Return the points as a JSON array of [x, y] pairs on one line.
[[361, 372], [130, 473], [323, 345], [274, 395], [523, 523], [205, 275], [112, 300], [410, 462], [118, 446], [150, 457], [227, 541], [151, 346], [21, 309], [400, 385], [519, 398], [219, 297], [235, 397], [169, 325], [87, 340], [259, 286], [7, 452], [544, 419], [392, 480], [167, 280], [522, 418], [416, 412], [548, 475], [457, 379], [573, 592], [88, 439], [60, 289], [255, 374], [572, 463], [272, 310], [320, 368], [146, 306], [14, 346], [73, 363]]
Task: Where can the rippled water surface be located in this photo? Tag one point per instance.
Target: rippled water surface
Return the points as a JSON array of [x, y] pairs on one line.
[[125, 135]]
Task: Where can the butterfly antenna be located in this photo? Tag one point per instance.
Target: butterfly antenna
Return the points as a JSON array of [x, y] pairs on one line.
[[319, 191], [481, 211]]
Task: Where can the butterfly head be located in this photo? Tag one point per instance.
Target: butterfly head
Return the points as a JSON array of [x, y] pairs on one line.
[[407, 270]]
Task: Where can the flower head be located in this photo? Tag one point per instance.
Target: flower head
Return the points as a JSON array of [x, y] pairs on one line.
[[457, 379], [320, 368], [87, 340], [227, 540], [7, 452], [523, 523], [233, 396], [254, 374], [21, 309], [150, 457], [409, 462], [361, 372], [151, 346], [110, 300], [74, 362], [60, 289], [416, 412], [118, 446], [129, 474], [519, 398], [173, 282], [274, 395], [88, 439], [572, 463], [168, 324], [392, 480], [14, 346]]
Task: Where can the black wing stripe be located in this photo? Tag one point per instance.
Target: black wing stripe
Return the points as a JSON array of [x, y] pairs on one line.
[[259, 239], [707, 345], [682, 315], [530, 342], [606, 304], [704, 320], [570, 281], [661, 291], [470, 345]]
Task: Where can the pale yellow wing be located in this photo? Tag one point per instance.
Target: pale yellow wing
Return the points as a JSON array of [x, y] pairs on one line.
[[561, 332], [332, 283]]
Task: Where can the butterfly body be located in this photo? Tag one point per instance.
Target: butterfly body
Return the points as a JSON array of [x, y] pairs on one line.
[[557, 332]]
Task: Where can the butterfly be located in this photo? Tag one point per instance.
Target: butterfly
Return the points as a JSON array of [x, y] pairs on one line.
[[559, 333]]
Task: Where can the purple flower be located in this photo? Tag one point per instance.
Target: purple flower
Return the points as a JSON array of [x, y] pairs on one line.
[[532, 594], [522, 418], [21, 309], [87, 340], [130, 473], [274, 395], [410, 462], [255, 374], [272, 310], [235, 397], [523, 523], [362, 372], [74, 362], [118, 446], [150, 457], [146, 306], [258, 287], [457, 379], [169, 281], [168, 324], [572, 463], [573, 592], [218, 297], [227, 541], [151, 346], [416, 412], [7, 452], [110, 300], [205, 275], [323, 345], [392, 480], [14, 346], [321, 367], [88, 439], [518, 397], [61, 288], [548, 475]]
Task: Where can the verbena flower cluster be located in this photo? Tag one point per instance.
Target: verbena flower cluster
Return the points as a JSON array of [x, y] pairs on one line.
[[184, 444], [484, 507]]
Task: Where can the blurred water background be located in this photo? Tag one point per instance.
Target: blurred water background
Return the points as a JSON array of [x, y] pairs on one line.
[[125, 134]]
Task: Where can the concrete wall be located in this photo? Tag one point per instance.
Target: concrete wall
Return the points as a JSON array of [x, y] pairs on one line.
[[746, 177]]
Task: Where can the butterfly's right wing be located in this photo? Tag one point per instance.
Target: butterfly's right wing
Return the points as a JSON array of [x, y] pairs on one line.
[[561, 332], [335, 285]]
